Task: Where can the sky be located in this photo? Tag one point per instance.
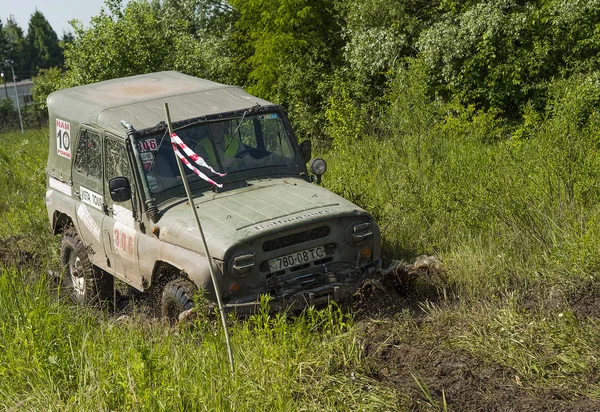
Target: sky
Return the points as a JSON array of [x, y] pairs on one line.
[[57, 12]]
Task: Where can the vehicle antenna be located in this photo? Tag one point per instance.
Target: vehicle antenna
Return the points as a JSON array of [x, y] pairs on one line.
[[206, 251]]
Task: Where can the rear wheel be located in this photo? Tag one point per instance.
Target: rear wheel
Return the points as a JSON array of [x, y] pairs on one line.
[[84, 283], [177, 296]]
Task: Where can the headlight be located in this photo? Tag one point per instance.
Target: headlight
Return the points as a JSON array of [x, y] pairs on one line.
[[359, 232], [242, 264], [318, 167]]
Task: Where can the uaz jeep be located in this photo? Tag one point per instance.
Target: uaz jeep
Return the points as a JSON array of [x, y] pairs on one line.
[[115, 193]]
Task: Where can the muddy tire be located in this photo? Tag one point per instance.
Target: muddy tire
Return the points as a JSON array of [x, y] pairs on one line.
[[82, 282], [177, 296]]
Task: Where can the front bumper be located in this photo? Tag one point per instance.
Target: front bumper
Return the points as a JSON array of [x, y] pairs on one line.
[[299, 298]]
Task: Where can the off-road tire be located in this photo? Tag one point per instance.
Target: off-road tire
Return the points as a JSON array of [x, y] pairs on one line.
[[177, 296], [82, 282]]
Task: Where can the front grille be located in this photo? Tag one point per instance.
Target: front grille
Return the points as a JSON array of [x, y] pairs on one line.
[[296, 238]]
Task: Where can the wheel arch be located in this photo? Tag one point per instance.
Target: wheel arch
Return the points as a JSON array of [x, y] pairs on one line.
[[60, 221], [164, 272]]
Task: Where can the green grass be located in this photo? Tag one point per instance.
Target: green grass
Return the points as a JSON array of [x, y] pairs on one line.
[[512, 212], [23, 214], [58, 356]]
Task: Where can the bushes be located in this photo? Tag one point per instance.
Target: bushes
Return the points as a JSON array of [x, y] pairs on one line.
[[7, 115], [30, 115]]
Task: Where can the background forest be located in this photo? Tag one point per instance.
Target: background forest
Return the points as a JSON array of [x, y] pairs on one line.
[[469, 129]]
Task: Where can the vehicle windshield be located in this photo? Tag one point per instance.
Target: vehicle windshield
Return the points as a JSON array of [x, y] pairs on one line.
[[216, 149]]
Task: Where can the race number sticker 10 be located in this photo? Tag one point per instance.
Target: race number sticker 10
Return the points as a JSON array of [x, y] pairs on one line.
[[63, 138]]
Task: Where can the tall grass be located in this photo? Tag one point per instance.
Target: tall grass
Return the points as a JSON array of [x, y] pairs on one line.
[[24, 221], [59, 357], [503, 208]]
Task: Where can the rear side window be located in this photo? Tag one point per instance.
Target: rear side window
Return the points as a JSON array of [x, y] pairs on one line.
[[88, 160]]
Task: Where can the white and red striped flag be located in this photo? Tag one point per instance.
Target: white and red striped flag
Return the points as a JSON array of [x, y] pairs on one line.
[[176, 141]]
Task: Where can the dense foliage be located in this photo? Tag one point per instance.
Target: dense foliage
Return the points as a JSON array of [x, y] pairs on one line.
[[322, 58]]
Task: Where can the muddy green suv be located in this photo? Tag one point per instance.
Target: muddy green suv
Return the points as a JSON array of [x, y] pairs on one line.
[[116, 194]]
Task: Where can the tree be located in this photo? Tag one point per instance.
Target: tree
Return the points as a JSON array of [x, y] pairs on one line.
[[120, 42], [16, 48], [43, 50], [4, 45], [275, 39], [67, 37], [378, 36], [144, 37], [284, 51], [4, 51], [215, 16], [380, 33], [504, 53], [200, 30]]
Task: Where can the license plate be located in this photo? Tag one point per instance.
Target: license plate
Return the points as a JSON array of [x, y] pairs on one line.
[[297, 258]]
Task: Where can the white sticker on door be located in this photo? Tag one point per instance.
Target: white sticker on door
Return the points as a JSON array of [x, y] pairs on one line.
[[88, 221], [92, 198], [60, 186], [123, 215]]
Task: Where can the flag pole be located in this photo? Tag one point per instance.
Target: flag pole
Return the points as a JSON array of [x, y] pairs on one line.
[[206, 252]]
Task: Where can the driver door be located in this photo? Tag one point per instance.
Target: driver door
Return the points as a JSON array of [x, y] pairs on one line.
[[120, 231]]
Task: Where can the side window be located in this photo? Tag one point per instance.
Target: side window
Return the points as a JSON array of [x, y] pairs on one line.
[[117, 163], [88, 160]]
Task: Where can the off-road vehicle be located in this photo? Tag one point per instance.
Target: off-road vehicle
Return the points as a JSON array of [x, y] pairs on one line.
[[115, 193]]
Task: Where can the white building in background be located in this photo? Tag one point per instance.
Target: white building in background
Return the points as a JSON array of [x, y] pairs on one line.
[[7, 91]]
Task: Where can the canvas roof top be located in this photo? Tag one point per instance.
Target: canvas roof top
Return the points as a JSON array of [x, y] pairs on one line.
[[140, 100]]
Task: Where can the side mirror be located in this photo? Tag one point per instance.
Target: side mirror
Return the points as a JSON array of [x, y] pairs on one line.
[[120, 189], [318, 167], [306, 150]]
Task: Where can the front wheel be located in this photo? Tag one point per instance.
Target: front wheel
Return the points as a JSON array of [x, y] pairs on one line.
[[177, 296], [83, 283]]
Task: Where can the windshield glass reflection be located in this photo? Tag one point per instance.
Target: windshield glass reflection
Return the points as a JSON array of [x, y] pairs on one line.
[[216, 149]]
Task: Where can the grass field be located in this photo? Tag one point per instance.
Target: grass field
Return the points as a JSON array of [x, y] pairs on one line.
[[54, 356], [512, 324]]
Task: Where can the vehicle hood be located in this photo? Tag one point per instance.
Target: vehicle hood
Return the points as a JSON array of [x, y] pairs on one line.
[[240, 215]]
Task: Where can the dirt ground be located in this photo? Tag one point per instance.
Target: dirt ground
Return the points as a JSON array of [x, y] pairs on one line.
[[464, 382]]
